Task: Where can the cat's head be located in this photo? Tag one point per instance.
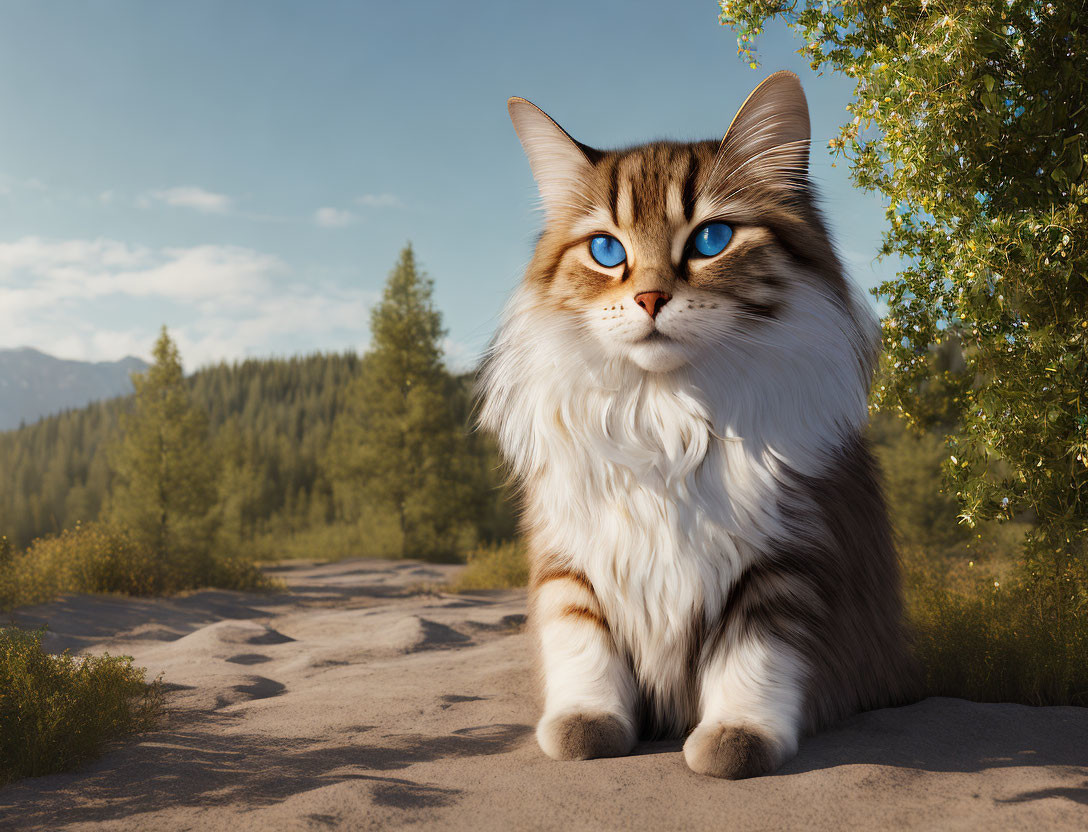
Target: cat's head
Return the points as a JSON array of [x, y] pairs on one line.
[[666, 252]]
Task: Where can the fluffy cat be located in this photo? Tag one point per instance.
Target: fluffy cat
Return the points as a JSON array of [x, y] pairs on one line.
[[679, 386]]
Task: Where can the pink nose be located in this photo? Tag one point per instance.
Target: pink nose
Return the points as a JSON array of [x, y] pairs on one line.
[[652, 302]]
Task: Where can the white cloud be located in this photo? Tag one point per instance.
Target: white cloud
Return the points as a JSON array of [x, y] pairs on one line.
[[104, 299], [333, 217], [378, 201], [459, 357], [89, 269], [190, 196]]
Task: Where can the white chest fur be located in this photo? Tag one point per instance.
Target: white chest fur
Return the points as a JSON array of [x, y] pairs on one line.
[[661, 514], [660, 488]]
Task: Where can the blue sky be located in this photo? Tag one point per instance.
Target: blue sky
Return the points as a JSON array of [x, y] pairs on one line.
[[246, 172]]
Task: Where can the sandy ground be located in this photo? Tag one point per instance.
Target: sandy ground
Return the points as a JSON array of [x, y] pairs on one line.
[[364, 699]]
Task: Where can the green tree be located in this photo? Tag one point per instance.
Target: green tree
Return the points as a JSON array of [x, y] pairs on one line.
[[166, 475], [399, 455], [969, 117]]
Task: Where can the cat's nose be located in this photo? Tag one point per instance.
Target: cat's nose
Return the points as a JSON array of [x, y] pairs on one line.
[[652, 302]]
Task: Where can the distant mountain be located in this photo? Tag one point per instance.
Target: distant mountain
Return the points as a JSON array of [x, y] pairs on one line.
[[33, 384]]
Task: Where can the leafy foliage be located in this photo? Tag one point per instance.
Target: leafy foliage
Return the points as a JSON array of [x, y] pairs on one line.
[[58, 711], [970, 119]]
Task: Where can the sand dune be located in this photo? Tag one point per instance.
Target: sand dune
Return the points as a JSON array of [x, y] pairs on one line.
[[365, 700]]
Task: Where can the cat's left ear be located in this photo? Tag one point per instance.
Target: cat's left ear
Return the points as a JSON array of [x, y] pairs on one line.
[[770, 134], [560, 164]]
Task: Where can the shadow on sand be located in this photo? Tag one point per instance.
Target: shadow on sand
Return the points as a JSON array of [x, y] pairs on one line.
[[198, 765], [945, 735], [953, 735]]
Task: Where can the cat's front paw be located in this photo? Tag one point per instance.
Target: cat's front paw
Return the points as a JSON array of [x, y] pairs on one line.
[[733, 752], [584, 735]]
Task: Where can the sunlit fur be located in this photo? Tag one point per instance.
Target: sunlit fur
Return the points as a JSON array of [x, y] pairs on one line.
[[693, 567]]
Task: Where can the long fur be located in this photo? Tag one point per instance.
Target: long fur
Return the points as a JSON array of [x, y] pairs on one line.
[[708, 541]]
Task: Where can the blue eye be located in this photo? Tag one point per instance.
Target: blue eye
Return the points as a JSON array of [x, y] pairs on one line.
[[712, 238], [607, 250]]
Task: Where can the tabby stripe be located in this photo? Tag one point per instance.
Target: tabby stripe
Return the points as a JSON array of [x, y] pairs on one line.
[[688, 197], [585, 614], [752, 609], [758, 310], [781, 616], [565, 575], [614, 191], [733, 602], [749, 305], [636, 205]]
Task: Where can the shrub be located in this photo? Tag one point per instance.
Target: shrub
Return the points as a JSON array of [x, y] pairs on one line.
[[59, 711], [495, 566], [99, 557]]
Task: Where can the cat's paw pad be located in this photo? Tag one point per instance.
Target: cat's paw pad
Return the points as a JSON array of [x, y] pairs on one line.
[[584, 735], [733, 752]]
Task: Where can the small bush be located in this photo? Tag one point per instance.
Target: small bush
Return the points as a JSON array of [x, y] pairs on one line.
[[495, 566], [59, 711], [103, 558]]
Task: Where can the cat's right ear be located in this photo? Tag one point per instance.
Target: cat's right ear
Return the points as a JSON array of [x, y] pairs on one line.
[[560, 164], [770, 134]]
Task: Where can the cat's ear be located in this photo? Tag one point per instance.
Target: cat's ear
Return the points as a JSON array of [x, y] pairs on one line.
[[560, 164], [770, 134]]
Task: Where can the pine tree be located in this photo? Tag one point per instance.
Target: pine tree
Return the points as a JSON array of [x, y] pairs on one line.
[[399, 457], [166, 474]]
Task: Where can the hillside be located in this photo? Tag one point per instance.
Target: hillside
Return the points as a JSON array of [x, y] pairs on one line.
[[33, 384], [269, 422]]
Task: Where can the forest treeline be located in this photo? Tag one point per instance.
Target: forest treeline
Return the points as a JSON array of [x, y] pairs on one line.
[[322, 455], [269, 424], [268, 420]]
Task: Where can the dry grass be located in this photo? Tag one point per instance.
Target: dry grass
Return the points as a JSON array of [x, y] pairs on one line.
[[101, 558], [495, 566], [998, 633]]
